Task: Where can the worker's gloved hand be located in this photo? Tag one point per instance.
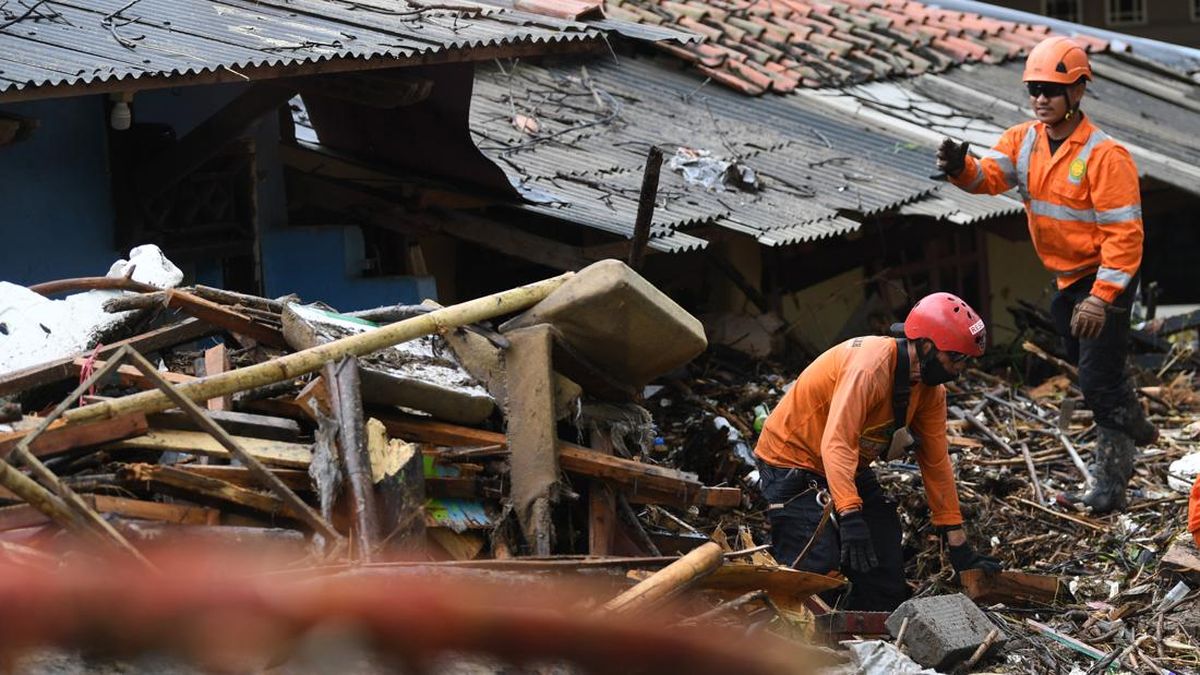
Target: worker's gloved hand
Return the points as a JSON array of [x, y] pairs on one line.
[[1088, 318], [857, 552], [964, 557], [952, 157]]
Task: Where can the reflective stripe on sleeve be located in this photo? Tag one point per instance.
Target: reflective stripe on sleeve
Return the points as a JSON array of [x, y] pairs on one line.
[[1113, 276], [1119, 215], [1005, 163]]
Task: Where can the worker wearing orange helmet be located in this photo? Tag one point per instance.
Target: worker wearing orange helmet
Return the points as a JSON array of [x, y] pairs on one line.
[[868, 398], [1083, 202]]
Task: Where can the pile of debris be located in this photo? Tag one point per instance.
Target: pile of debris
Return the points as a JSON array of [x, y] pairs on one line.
[[170, 419], [1083, 589]]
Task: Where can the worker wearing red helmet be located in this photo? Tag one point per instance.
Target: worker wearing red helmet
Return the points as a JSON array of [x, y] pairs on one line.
[[863, 400], [1083, 202]]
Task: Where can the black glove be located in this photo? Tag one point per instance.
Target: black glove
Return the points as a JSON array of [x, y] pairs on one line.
[[965, 558], [952, 157], [857, 552]]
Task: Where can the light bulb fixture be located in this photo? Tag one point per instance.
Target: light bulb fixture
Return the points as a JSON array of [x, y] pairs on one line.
[[120, 117]]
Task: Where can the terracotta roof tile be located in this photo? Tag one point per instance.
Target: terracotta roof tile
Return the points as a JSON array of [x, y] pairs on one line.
[[755, 46]]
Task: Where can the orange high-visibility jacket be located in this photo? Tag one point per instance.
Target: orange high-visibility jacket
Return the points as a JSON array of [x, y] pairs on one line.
[[1194, 512], [837, 418], [1084, 203]]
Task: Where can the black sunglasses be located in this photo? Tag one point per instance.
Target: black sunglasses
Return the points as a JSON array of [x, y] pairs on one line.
[[956, 357], [1047, 89]]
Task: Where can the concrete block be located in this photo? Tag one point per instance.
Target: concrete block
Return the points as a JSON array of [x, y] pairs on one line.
[[942, 630]]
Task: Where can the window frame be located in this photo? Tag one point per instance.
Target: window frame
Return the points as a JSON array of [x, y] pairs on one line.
[[1195, 7], [1111, 20], [1078, 10]]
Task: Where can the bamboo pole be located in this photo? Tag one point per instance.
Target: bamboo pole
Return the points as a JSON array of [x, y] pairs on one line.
[[670, 580], [311, 360]]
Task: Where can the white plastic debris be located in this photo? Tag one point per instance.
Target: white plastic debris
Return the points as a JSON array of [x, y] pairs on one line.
[[1183, 471], [35, 329], [876, 657], [701, 169]]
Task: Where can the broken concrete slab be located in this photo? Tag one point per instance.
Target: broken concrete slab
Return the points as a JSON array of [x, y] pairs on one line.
[[942, 630], [620, 322], [421, 374]]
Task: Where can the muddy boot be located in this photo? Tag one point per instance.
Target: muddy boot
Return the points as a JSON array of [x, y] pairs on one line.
[[1133, 420], [1112, 469]]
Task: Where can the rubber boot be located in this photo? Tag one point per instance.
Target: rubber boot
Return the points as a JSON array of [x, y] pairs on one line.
[[1112, 469], [1133, 420]]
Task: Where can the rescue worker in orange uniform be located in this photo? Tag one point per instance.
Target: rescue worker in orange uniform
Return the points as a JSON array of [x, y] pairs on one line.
[[866, 399], [1083, 202]]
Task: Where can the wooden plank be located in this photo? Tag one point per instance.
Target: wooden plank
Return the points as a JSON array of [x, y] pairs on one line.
[[649, 483], [216, 360], [602, 504], [169, 478], [240, 476], [721, 497], [1012, 588], [63, 368], [220, 315], [276, 453], [61, 437], [789, 588], [24, 515], [129, 376], [1183, 553], [269, 427]]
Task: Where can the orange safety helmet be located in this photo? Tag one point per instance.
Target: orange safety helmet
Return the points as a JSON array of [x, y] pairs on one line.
[[949, 322], [1057, 59]]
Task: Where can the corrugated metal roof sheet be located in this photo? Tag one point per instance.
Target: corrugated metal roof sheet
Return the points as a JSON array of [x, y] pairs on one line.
[[78, 42], [580, 132]]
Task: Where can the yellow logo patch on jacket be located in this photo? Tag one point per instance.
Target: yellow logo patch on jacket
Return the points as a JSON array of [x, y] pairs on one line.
[[1078, 168]]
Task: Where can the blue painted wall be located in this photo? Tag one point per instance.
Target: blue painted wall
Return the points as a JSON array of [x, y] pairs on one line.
[[56, 219]]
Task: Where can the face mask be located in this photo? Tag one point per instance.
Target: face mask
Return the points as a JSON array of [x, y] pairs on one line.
[[933, 372]]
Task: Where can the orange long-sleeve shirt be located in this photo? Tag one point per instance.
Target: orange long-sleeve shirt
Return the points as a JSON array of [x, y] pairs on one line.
[[1083, 203], [1194, 512], [837, 417]]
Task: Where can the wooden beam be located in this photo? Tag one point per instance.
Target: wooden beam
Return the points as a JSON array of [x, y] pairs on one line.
[[216, 360], [59, 437], [337, 64], [295, 479], [267, 427], [277, 453], [64, 368], [128, 376], [193, 486], [226, 318], [24, 515], [647, 482], [602, 504], [209, 138], [388, 214]]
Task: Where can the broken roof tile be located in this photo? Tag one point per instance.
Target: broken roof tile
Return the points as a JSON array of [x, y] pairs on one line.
[[563, 9], [755, 46]]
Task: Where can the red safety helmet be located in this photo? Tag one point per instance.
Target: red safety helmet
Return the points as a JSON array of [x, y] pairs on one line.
[[1057, 59], [949, 323]]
